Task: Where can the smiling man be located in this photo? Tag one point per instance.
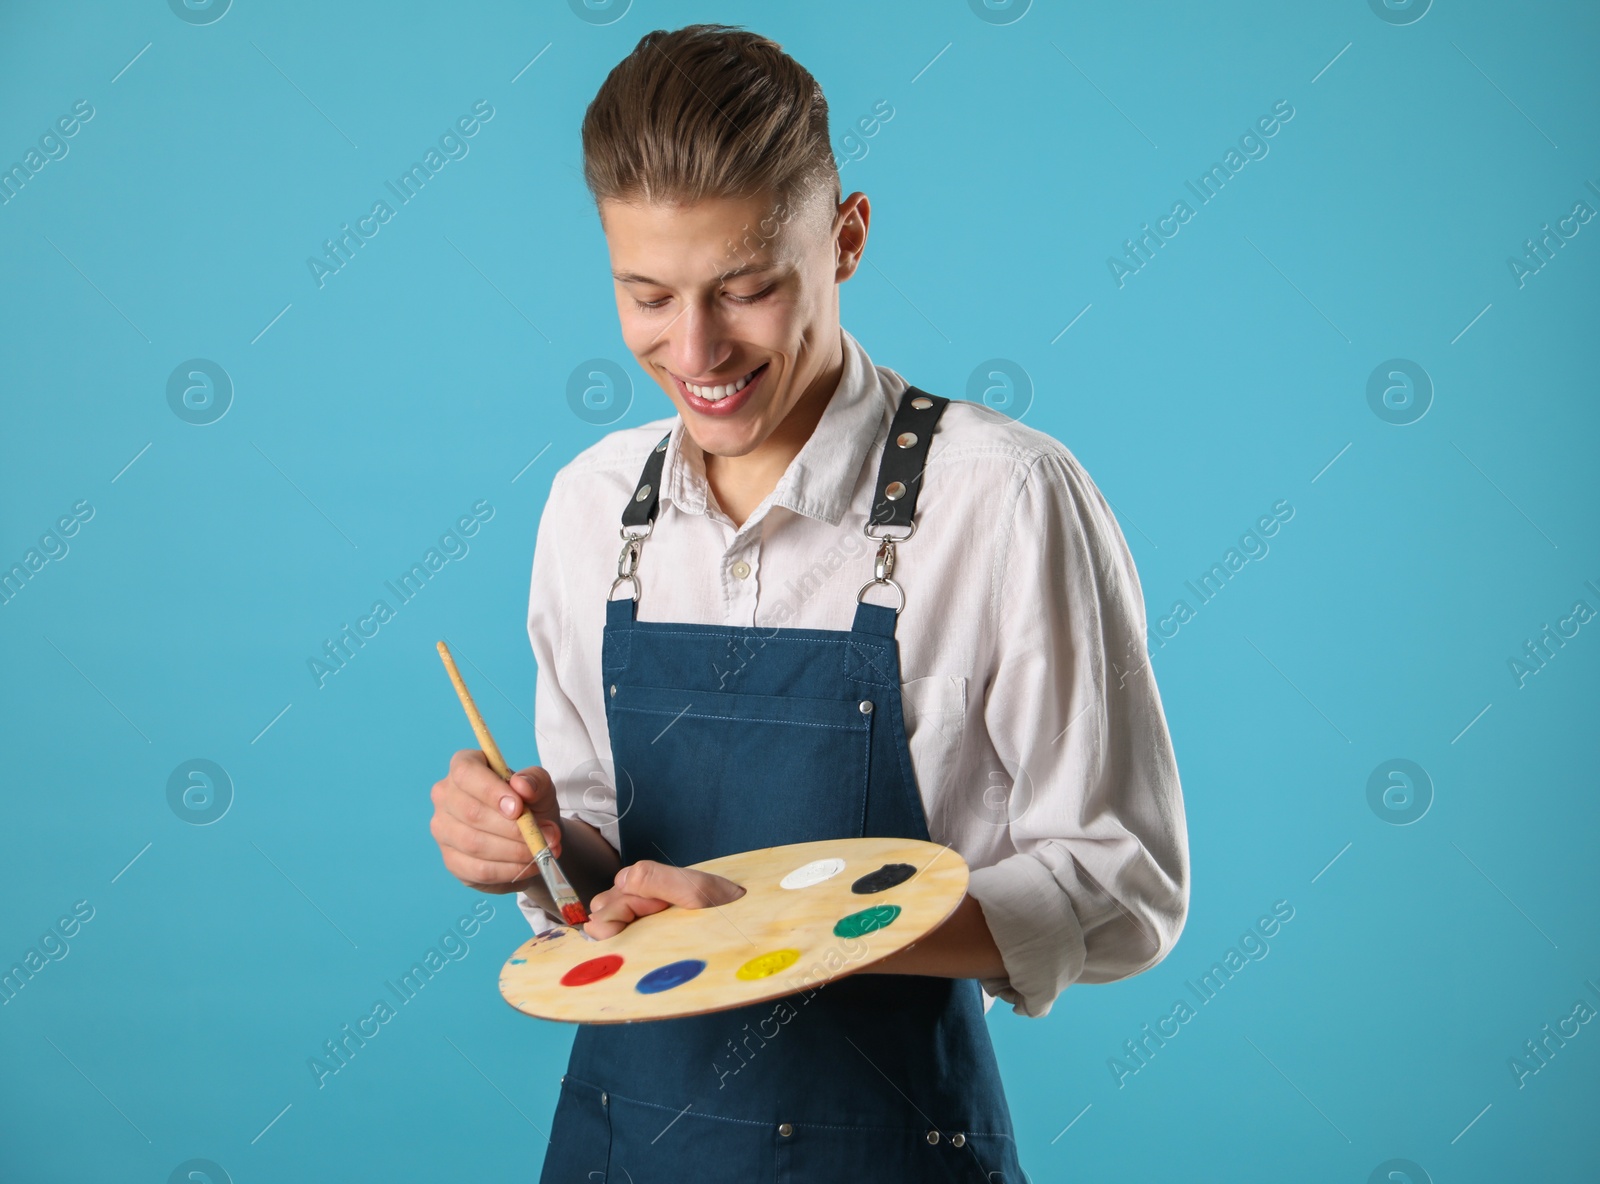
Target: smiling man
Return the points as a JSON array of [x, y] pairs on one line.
[[774, 658], [755, 399]]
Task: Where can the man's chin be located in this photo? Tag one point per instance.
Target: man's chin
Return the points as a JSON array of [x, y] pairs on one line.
[[721, 439]]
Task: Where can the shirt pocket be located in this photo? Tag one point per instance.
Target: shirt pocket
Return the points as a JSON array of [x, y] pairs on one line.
[[935, 710]]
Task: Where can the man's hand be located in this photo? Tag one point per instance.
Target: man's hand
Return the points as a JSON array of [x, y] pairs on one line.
[[648, 887], [474, 814]]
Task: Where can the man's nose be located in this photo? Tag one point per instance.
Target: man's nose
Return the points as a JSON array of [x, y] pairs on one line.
[[700, 343]]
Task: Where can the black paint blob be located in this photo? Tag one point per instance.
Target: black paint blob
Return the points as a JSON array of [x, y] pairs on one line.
[[884, 878]]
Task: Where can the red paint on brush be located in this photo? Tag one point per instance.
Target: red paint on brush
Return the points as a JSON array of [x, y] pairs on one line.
[[574, 913]]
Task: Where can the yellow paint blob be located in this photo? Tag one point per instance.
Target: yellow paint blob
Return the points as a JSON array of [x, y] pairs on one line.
[[766, 965]]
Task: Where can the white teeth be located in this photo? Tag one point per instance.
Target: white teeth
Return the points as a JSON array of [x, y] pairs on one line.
[[715, 394]]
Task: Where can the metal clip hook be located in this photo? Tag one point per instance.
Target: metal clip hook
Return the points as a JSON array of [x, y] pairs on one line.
[[628, 560], [883, 565], [883, 570]]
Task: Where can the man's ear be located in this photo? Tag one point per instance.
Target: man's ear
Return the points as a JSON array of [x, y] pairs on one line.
[[851, 221]]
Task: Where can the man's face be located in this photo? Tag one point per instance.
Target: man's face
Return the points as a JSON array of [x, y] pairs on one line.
[[732, 305]]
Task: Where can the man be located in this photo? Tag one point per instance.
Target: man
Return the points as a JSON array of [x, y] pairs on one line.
[[774, 658]]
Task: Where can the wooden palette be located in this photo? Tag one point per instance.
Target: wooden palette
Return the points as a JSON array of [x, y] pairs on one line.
[[811, 912]]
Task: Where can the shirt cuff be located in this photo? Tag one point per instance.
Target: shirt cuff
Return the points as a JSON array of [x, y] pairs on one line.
[[537, 917], [1037, 932]]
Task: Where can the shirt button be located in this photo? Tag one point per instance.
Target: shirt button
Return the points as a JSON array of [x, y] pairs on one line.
[[933, 1136], [741, 570], [785, 1129], [958, 1140]]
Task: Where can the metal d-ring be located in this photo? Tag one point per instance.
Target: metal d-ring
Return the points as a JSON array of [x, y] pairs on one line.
[[891, 584], [911, 529]]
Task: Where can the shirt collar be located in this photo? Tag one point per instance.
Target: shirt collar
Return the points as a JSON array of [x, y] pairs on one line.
[[820, 481]]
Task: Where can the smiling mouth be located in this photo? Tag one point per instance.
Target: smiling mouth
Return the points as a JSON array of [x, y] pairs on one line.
[[715, 394]]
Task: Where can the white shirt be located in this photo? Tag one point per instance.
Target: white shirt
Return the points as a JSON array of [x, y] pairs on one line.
[[1036, 732]]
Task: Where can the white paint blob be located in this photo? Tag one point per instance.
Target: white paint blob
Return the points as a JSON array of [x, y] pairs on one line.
[[812, 873]]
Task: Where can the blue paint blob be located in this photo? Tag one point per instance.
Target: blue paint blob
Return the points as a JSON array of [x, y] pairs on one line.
[[673, 974]]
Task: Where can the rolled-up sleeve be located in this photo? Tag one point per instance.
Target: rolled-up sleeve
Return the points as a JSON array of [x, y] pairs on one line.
[[1096, 886]]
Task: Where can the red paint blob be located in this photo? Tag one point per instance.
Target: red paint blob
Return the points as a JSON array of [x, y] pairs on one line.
[[592, 971], [574, 913]]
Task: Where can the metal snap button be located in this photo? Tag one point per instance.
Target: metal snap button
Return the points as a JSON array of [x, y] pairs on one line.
[[613, 690], [933, 1136], [605, 1099], [785, 1129], [895, 490], [921, 404], [662, 447], [741, 569], [866, 707], [958, 1140], [644, 492], [906, 439]]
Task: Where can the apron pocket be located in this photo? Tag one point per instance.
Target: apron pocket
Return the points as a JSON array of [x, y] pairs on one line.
[[580, 1136], [657, 1143], [764, 765]]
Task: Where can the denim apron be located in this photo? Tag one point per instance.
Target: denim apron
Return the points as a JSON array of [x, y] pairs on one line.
[[731, 738]]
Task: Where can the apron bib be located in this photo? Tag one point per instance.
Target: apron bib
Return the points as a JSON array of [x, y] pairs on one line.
[[731, 738]]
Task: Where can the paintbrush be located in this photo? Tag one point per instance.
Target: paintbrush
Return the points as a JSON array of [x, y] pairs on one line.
[[560, 890]]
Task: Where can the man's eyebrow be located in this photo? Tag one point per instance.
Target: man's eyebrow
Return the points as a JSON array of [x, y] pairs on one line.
[[631, 277]]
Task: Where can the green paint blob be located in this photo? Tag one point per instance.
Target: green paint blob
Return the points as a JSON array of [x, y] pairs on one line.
[[879, 916]]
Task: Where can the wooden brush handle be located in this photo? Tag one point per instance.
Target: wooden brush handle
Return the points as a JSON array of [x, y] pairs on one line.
[[525, 823], [531, 834]]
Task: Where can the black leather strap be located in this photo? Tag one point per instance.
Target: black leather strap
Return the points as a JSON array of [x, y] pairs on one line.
[[641, 507], [905, 457]]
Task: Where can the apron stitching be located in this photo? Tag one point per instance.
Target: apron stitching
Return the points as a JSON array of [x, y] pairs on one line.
[[902, 749], [731, 630], [797, 723], [878, 662], [616, 1097], [918, 1128], [866, 779]]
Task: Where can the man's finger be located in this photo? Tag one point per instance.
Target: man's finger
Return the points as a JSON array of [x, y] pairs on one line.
[[612, 911], [470, 869], [686, 887], [460, 836], [534, 786], [470, 772], [478, 813]]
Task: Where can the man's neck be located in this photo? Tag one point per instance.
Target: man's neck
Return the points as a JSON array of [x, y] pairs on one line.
[[741, 483]]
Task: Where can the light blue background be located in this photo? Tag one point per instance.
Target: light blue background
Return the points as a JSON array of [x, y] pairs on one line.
[[433, 369]]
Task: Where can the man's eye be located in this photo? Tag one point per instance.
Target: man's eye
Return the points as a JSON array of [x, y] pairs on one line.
[[649, 305], [761, 295]]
